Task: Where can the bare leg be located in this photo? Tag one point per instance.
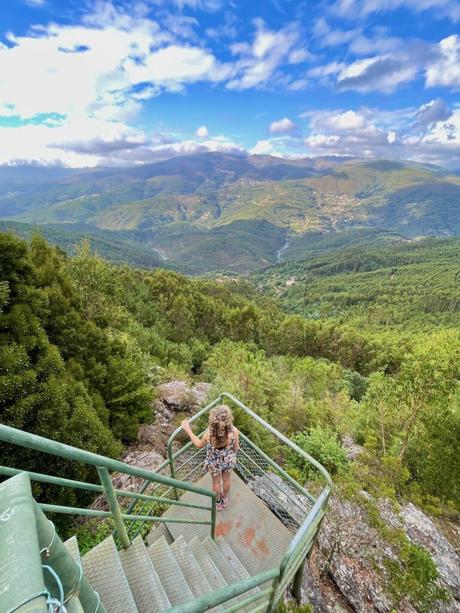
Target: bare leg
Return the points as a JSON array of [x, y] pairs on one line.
[[217, 485], [226, 478]]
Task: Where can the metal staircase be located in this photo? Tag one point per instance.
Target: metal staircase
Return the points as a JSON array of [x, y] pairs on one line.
[[241, 559]]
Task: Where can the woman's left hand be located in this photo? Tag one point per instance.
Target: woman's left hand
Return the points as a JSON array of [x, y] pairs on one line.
[[185, 425]]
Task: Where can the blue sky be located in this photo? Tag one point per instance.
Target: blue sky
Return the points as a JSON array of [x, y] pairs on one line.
[[127, 82]]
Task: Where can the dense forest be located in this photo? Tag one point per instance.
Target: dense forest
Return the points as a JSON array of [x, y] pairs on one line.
[[408, 285], [84, 343]]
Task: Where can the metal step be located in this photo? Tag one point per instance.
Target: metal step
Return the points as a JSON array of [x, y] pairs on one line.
[[208, 567], [233, 561], [104, 571], [191, 569], [143, 579], [158, 532], [231, 558], [225, 569], [72, 547], [169, 572]]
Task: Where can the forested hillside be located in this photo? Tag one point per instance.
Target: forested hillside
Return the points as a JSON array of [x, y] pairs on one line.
[[84, 345], [410, 286], [211, 212]]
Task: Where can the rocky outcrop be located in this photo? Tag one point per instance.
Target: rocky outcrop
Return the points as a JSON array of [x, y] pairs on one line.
[[288, 504], [172, 399], [347, 568], [352, 449]]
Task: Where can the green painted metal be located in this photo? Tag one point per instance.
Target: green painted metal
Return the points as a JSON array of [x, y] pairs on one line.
[[114, 507], [93, 487], [278, 468], [56, 555], [53, 508], [297, 583], [22, 586], [212, 599], [292, 563], [45, 445], [319, 467], [304, 538], [243, 603], [38, 443]]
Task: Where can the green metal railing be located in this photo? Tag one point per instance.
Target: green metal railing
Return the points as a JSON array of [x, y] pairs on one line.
[[255, 466], [176, 474], [37, 569], [103, 466]]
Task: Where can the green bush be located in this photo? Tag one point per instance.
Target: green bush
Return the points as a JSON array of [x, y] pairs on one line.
[[323, 446]]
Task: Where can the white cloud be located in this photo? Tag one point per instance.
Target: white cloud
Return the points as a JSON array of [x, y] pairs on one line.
[[384, 73], [352, 9], [81, 141], [349, 120], [97, 68], [282, 126], [327, 37], [35, 2], [258, 63], [202, 132], [430, 133], [202, 5], [445, 72]]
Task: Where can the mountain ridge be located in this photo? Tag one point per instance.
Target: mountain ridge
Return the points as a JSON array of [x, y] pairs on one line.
[[173, 203]]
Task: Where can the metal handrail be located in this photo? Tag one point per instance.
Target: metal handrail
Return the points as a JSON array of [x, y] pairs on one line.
[[44, 445], [258, 419], [293, 561], [224, 594]]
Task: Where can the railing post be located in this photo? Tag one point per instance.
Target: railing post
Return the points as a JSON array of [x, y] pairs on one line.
[[297, 583], [114, 507], [171, 467], [213, 515]]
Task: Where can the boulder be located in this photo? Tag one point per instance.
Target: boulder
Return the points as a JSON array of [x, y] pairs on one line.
[[352, 449], [346, 570], [180, 396], [281, 498]]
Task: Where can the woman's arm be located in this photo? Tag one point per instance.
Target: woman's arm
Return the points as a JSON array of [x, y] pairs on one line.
[[198, 442]]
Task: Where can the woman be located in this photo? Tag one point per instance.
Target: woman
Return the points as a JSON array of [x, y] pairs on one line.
[[222, 440]]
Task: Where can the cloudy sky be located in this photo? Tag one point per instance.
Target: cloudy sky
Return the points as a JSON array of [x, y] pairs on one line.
[[85, 83]]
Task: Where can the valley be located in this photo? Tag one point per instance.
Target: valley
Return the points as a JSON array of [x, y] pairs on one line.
[[231, 213]]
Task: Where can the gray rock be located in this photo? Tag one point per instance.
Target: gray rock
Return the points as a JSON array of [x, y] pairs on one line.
[[352, 449], [281, 498], [347, 564], [180, 396], [422, 531]]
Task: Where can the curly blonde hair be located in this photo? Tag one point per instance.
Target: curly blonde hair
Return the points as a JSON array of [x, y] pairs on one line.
[[220, 425]]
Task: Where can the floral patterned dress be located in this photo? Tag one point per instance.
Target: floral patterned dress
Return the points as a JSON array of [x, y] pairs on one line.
[[218, 460]]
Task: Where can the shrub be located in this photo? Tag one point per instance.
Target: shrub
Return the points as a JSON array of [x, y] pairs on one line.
[[323, 446]]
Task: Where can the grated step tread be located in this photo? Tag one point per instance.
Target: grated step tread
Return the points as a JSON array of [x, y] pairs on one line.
[[72, 547], [143, 579], [232, 559], [104, 571], [216, 556], [169, 572], [225, 568], [189, 566], [208, 567], [158, 532]]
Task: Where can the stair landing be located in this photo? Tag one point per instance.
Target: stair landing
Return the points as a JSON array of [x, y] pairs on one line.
[[255, 534]]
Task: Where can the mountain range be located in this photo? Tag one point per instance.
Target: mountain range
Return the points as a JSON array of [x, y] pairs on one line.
[[218, 212]]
